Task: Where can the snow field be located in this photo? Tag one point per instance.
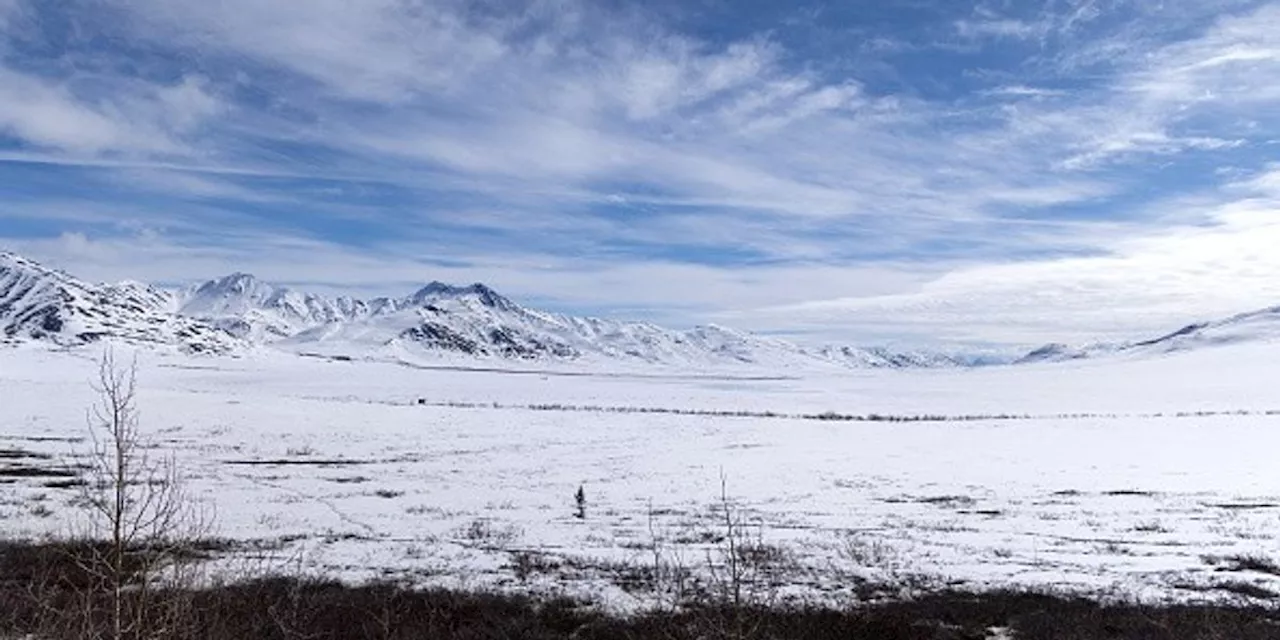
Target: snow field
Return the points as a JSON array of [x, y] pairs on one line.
[[338, 468]]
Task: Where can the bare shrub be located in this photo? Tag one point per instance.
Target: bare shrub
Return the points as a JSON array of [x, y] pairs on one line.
[[131, 562], [528, 564], [672, 580], [743, 575], [870, 552], [487, 534]]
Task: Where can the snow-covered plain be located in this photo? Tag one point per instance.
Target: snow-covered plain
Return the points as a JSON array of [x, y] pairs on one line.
[[1100, 486]]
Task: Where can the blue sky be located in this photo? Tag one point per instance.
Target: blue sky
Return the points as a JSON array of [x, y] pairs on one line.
[[920, 172]]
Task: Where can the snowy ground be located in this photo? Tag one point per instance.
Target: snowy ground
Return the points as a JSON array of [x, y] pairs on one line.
[[337, 465]]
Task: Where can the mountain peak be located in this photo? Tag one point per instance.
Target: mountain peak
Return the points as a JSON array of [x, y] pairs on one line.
[[237, 282], [436, 290], [435, 287], [234, 294]]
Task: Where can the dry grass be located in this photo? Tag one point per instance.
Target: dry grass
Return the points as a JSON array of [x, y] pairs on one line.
[[38, 577]]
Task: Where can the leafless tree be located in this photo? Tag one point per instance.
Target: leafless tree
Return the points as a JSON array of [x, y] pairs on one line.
[[142, 527]]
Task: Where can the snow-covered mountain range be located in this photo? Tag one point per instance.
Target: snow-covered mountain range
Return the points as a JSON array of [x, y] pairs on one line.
[[240, 312], [477, 321]]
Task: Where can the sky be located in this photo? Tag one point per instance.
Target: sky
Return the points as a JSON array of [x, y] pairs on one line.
[[911, 172]]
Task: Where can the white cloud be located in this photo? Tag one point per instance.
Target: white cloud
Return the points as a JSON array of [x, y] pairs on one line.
[[1141, 285], [1000, 28], [140, 119], [1024, 91], [613, 100], [48, 116], [385, 50], [659, 77], [1223, 80], [186, 105], [188, 185]]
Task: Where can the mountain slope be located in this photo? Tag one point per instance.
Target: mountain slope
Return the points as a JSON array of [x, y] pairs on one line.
[[1262, 326], [1059, 352], [1256, 326], [43, 304]]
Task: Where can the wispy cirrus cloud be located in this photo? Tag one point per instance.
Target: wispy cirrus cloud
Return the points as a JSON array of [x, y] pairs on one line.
[[991, 27], [470, 141]]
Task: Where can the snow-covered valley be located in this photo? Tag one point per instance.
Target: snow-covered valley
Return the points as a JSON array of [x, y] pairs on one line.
[[1129, 474]]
